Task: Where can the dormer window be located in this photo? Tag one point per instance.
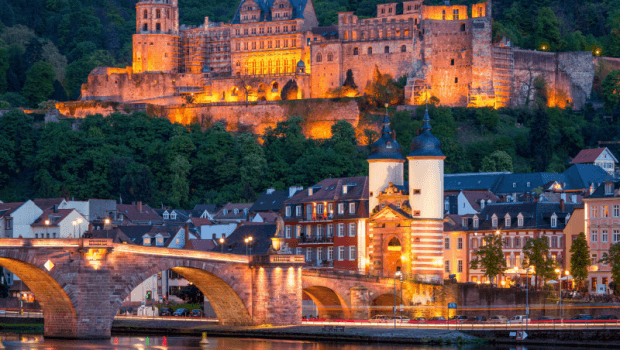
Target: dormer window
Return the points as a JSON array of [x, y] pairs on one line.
[[147, 241], [609, 188], [166, 215], [298, 210], [351, 208], [159, 241], [494, 221], [554, 220], [464, 222], [245, 211], [236, 211], [566, 219], [520, 220], [225, 211], [288, 211], [476, 221], [173, 216], [340, 208], [482, 204], [514, 185], [507, 220], [528, 184]]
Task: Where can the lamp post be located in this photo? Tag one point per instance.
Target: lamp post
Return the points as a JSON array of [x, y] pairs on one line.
[[559, 272], [222, 244], [250, 241], [398, 275], [527, 296], [107, 228], [47, 223], [74, 223], [79, 222]]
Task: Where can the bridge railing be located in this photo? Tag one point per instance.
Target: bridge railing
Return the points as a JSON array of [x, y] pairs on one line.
[[278, 259]]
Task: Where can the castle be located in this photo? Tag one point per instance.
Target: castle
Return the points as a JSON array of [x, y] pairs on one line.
[[445, 51]]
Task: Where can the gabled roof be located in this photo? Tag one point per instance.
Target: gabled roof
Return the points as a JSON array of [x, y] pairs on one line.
[[211, 208], [55, 218], [47, 203], [536, 215], [261, 238], [268, 217], [331, 190], [7, 209], [205, 245], [198, 222], [115, 234], [472, 181], [389, 212], [265, 6], [590, 155], [600, 191], [273, 201], [230, 211], [474, 198], [131, 213]]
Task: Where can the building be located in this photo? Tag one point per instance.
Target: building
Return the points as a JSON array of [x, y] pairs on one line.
[[16, 218], [456, 249], [137, 214], [95, 211], [233, 213], [207, 210], [250, 238], [602, 229], [327, 223], [59, 223], [445, 52], [598, 156], [468, 202]]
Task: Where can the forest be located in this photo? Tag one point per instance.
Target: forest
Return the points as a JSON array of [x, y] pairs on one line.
[[48, 47]]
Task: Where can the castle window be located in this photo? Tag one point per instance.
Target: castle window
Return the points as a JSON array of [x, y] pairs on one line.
[[455, 14], [274, 86], [370, 50], [253, 30], [355, 51], [158, 14], [254, 45], [277, 29], [382, 10], [145, 27], [456, 80], [443, 14], [408, 7], [261, 30], [386, 49], [407, 31], [245, 31], [277, 44], [452, 62], [262, 45], [403, 48], [319, 57], [157, 27], [293, 28], [330, 57], [268, 30], [146, 14], [362, 34], [462, 27], [346, 35], [269, 44]]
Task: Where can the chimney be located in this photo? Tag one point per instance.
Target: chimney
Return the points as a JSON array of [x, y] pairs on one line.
[[139, 206], [270, 190], [562, 206], [206, 22], [55, 208]]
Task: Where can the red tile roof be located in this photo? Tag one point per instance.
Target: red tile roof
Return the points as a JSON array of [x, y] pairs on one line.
[[198, 222], [47, 203], [7, 208], [331, 190], [268, 217], [205, 245], [54, 218], [130, 211], [231, 211], [588, 155]]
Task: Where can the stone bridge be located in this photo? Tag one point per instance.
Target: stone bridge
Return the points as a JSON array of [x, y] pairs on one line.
[[81, 283]]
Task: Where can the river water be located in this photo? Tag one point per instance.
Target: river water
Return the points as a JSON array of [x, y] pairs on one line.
[[30, 341]]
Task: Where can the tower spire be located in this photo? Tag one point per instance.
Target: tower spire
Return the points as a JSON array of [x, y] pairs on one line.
[[426, 120], [386, 126]]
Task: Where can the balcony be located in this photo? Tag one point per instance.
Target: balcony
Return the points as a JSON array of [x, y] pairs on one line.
[[318, 218], [315, 240]]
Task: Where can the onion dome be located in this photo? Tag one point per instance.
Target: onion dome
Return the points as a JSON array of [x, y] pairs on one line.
[[386, 147], [301, 64], [425, 144]]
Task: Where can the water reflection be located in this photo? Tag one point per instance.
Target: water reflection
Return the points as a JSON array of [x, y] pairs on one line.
[[29, 341]]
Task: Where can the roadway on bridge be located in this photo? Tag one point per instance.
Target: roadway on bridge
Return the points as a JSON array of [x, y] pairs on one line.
[[534, 325]]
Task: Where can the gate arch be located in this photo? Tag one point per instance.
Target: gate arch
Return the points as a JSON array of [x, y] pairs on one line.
[[329, 303]]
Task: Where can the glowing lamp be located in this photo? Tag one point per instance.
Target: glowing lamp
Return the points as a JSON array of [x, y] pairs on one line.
[[276, 242], [566, 272], [503, 283], [47, 222], [49, 265]]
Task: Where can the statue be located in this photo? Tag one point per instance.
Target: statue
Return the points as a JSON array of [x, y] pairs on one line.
[[278, 245]]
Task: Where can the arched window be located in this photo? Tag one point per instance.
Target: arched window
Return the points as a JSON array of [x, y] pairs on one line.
[[319, 57], [330, 57], [386, 49], [355, 51], [158, 14], [462, 27], [145, 27], [403, 48], [157, 27], [278, 66], [146, 14], [394, 244], [274, 86], [370, 50]]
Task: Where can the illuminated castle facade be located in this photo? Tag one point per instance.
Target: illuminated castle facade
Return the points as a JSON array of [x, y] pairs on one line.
[[445, 51]]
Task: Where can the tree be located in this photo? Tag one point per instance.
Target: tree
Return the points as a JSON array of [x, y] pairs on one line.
[[611, 90], [580, 259], [383, 90], [613, 259], [547, 31], [39, 84], [536, 253], [490, 257], [191, 294], [540, 139], [179, 190], [487, 117], [541, 92], [497, 161]]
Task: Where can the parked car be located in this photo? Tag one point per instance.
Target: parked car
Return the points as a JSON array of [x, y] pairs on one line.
[[476, 319], [122, 311], [547, 318], [197, 313], [498, 319], [419, 319], [608, 317], [520, 319], [400, 319], [181, 312], [459, 318], [165, 311], [379, 318], [582, 317], [438, 319]]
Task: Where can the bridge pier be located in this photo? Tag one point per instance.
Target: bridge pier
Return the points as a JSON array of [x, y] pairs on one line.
[[360, 302]]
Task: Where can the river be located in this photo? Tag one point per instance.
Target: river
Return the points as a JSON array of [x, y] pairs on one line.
[[30, 341]]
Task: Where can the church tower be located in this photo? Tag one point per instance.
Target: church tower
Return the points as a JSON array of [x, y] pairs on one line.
[[386, 164], [156, 44], [426, 201]]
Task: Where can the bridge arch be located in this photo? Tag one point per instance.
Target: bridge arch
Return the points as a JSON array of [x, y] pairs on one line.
[[383, 304], [330, 304], [59, 312], [218, 282]]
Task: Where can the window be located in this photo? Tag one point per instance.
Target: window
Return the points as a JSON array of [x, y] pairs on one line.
[[352, 253], [352, 230], [455, 14], [554, 242], [520, 220], [298, 210], [456, 80], [475, 222], [403, 48], [330, 230], [159, 241], [330, 253], [287, 231], [351, 208], [308, 254], [386, 49], [594, 236], [507, 221], [146, 14], [298, 231], [594, 259], [308, 231], [319, 209], [370, 51], [459, 267], [463, 222], [330, 208], [446, 243], [355, 51], [319, 57], [462, 27], [288, 211], [603, 236], [594, 211], [447, 266], [554, 221], [452, 62], [340, 253], [507, 242], [166, 215], [145, 27], [340, 230], [609, 188], [459, 243], [319, 254], [158, 14], [605, 211], [147, 241], [319, 232], [340, 208], [269, 45], [615, 236], [330, 57], [494, 221], [616, 210], [517, 242]]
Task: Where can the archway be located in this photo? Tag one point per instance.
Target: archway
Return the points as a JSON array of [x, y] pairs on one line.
[[329, 303], [392, 258], [384, 304], [226, 302], [59, 315]]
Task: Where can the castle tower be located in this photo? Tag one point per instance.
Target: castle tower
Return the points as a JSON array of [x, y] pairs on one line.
[[156, 43], [385, 163], [426, 201]]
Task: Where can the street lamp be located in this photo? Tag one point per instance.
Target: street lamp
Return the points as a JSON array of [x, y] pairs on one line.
[[79, 222], [247, 242], [527, 296], [74, 223], [47, 223], [398, 275], [250, 238], [107, 228], [559, 272], [222, 243]]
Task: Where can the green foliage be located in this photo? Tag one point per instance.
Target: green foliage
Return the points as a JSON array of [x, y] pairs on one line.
[[497, 161], [580, 259], [487, 117], [39, 84], [547, 31], [490, 257], [612, 258], [536, 256], [384, 90], [611, 90]]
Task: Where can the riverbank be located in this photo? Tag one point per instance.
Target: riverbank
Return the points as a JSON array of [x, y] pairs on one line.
[[312, 333]]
